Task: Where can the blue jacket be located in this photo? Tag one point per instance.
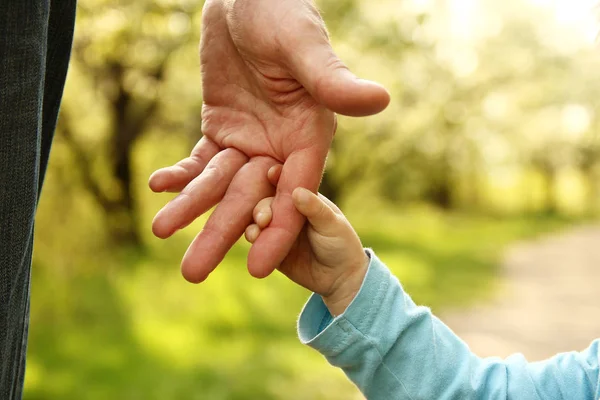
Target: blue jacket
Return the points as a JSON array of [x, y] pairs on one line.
[[393, 349]]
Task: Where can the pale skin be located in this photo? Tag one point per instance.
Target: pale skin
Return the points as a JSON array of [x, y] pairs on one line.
[[327, 258], [271, 85]]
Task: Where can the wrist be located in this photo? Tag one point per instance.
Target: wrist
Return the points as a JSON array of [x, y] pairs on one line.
[[338, 301]]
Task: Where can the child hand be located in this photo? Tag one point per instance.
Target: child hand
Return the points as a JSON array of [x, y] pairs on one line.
[[328, 257]]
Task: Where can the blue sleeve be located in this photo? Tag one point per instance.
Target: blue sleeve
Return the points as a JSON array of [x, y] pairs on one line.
[[393, 349]]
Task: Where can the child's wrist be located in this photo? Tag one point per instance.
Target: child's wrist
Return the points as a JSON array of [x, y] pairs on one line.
[[338, 301]]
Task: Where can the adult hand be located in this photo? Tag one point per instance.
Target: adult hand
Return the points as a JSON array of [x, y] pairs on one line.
[[271, 86]]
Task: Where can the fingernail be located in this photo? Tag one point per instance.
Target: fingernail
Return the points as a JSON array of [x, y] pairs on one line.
[[302, 195], [260, 217]]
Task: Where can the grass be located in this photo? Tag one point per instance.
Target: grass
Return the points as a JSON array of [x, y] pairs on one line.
[[111, 324]]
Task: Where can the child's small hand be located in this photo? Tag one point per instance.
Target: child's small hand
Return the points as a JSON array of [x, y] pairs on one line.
[[328, 257]]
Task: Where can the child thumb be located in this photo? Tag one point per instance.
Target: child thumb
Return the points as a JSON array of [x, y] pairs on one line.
[[321, 217]]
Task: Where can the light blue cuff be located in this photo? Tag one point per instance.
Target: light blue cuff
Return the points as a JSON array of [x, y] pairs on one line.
[[319, 330]]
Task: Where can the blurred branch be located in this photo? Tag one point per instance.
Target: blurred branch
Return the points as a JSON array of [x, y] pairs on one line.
[[65, 129]]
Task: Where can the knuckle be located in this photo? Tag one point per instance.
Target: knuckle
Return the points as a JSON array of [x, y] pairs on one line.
[[323, 212], [214, 173]]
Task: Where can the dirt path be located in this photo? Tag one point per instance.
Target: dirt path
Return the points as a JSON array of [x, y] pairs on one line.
[[549, 301]]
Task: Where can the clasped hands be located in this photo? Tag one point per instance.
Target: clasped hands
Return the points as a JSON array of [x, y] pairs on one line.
[[271, 85]]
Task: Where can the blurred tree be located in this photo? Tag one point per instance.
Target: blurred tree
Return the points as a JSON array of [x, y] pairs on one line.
[[459, 110], [121, 55], [588, 162]]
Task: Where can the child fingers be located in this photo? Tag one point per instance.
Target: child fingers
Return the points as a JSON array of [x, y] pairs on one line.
[[252, 233], [274, 174], [320, 215], [331, 204], [262, 213]]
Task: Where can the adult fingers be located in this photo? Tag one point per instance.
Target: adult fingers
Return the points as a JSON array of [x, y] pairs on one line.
[[229, 220], [302, 169], [200, 194], [176, 177]]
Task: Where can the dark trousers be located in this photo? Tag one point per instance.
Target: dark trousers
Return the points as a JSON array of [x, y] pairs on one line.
[[35, 45]]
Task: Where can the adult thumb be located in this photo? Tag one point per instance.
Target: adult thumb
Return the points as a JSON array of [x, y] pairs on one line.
[[315, 65]]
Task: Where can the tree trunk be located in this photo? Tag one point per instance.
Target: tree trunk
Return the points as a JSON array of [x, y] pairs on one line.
[[550, 201], [123, 221], [593, 190], [440, 193], [441, 196]]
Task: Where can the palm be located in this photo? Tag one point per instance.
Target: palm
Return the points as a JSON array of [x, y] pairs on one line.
[[303, 266], [252, 102], [231, 119], [258, 108], [256, 113]]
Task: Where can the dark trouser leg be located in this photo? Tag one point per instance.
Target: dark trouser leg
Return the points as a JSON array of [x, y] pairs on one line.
[[60, 38], [35, 39]]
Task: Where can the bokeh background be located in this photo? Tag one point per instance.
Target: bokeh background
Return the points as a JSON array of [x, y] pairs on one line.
[[491, 138]]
